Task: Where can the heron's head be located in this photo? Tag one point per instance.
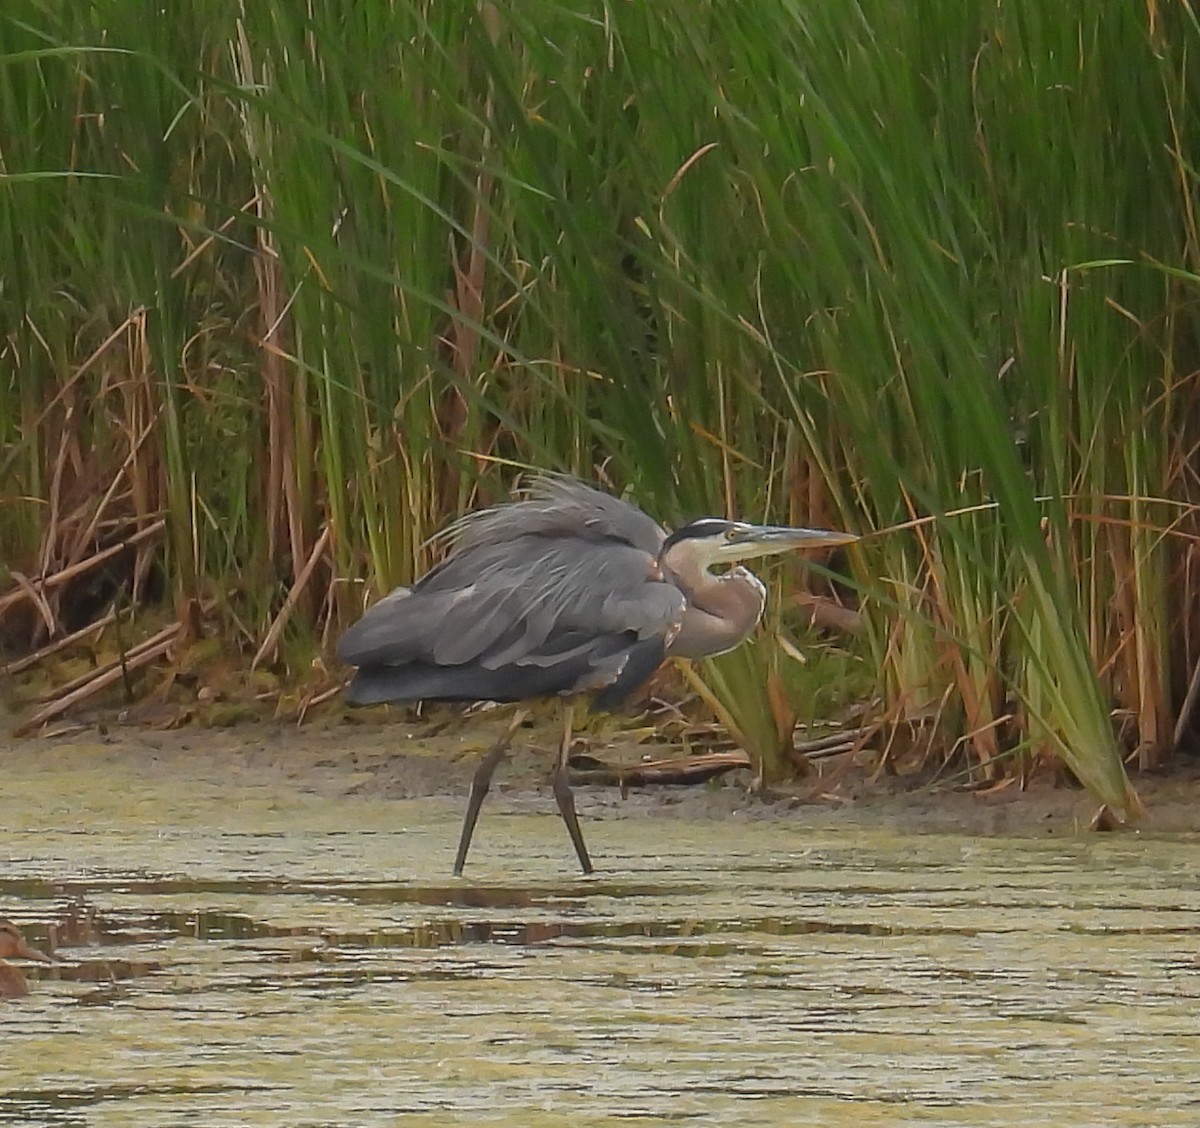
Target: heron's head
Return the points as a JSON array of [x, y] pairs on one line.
[[12, 944], [711, 540]]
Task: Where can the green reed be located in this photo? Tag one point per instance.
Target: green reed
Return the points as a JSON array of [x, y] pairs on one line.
[[277, 271]]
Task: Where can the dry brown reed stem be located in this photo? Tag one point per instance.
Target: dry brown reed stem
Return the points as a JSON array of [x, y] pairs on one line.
[[152, 649], [50, 534], [833, 743], [67, 388], [1189, 703], [311, 702], [284, 515], [271, 641], [85, 535], [208, 241], [827, 614], [679, 769], [20, 664], [27, 590], [13, 598], [135, 651]]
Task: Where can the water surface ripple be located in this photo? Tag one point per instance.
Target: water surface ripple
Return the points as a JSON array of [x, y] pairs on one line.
[[241, 953]]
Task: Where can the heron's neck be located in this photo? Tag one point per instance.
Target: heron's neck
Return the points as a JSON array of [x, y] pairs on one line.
[[721, 611]]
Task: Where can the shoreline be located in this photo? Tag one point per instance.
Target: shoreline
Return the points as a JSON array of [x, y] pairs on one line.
[[392, 760]]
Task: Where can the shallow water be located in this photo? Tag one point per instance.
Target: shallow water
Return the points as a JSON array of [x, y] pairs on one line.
[[240, 952]]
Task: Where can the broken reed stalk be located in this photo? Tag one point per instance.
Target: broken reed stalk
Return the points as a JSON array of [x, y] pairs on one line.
[[679, 769], [13, 598], [20, 664], [133, 652], [312, 701], [146, 653], [28, 590], [830, 745], [271, 642]]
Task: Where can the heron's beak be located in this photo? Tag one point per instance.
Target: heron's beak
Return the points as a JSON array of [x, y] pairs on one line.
[[767, 540], [25, 952]]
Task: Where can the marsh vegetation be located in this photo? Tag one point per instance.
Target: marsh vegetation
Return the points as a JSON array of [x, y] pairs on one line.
[[286, 287]]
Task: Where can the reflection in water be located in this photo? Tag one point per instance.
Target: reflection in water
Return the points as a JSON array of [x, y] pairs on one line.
[[257, 957]]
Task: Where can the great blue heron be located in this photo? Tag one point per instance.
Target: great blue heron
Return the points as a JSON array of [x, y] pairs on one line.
[[568, 590]]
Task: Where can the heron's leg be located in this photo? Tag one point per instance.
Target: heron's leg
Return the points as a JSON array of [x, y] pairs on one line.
[[481, 782], [562, 790]]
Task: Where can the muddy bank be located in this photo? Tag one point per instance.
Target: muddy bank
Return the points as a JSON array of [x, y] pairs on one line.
[[397, 761]]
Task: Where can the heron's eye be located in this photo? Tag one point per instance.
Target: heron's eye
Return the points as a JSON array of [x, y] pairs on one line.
[[731, 533]]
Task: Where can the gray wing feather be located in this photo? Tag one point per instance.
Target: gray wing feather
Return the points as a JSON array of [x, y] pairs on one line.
[[554, 593], [534, 600], [558, 505]]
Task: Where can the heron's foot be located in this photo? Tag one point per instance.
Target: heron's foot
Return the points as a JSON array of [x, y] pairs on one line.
[[565, 799], [481, 783]]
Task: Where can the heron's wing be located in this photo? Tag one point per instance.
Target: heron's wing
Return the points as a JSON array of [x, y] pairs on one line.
[[559, 506], [538, 614]]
